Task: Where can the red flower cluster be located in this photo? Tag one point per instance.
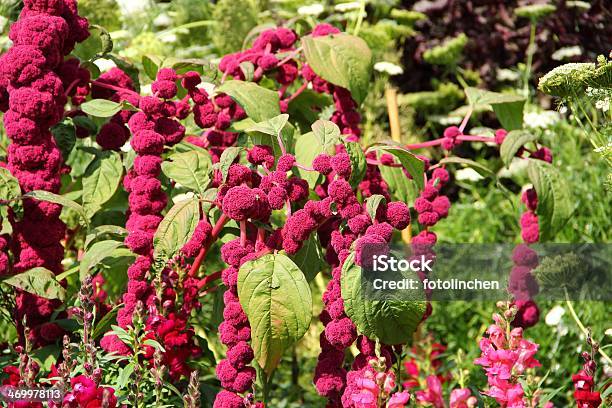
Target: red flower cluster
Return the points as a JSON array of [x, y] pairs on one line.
[[85, 393], [32, 75], [114, 134]]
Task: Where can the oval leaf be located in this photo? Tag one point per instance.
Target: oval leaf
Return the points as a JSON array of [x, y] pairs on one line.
[[95, 255], [276, 298], [392, 321], [414, 165], [58, 199], [259, 103], [101, 180], [101, 108], [190, 169], [341, 59], [513, 142], [38, 281], [176, 228], [554, 200]]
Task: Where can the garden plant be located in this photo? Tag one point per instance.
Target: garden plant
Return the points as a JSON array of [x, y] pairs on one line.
[[190, 192]]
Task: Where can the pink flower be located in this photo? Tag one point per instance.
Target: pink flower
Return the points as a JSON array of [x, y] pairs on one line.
[[433, 393], [462, 398]]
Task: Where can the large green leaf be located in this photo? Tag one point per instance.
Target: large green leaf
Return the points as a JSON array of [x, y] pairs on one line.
[[259, 103], [326, 132], [176, 228], [102, 108], [58, 199], [513, 142], [554, 199], [268, 132], [96, 254], [372, 204], [190, 169], [341, 59], [101, 180], [507, 107], [400, 186], [392, 320], [227, 158], [39, 281], [414, 165], [276, 298], [359, 163], [307, 147], [310, 258]]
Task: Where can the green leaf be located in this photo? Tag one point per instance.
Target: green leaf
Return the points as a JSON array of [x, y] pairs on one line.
[[341, 59], [400, 186], [227, 158], [391, 320], [58, 199], [276, 298], [190, 169], [150, 67], [272, 126], [38, 281], [414, 165], [310, 258], [105, 39], [248, 69], [554, 199], [372, 204], [326, 132], [104, 230], [101, 108], [359, 163], [507, 107], [94, 255], [104, 324], [65, 137], [10, 192], [176, 228], [259, 103], [124, 376], [510, 114], [307, 147], [101, 180], [513, 142], [482, 170]]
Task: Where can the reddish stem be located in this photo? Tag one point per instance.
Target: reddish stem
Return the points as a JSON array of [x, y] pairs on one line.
[[197, 262], [115, 88], [422, 145], [297, 92], [209, 278], [475, 138], [243, 233], [72, 85]]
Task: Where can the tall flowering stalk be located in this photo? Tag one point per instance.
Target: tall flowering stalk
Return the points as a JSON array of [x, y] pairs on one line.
[[505, 357], [32, 75]]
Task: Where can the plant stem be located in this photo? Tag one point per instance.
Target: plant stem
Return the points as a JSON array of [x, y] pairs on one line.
[[530, 52], [213, 236], [581, 326]]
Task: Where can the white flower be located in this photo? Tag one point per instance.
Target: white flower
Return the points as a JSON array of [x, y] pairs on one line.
[[553, 317], [311, 10], [104, 64], [603, 104], [542, 119], [608, 332], [389, 68], [342, 7], [505, 74], [131, 7], [566, 52], [168, 38], [163, 20], [468, 174]]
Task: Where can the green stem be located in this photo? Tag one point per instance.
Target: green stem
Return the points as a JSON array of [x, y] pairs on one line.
[[194, 24], [581, 326], [530, 52], [359, 17]]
